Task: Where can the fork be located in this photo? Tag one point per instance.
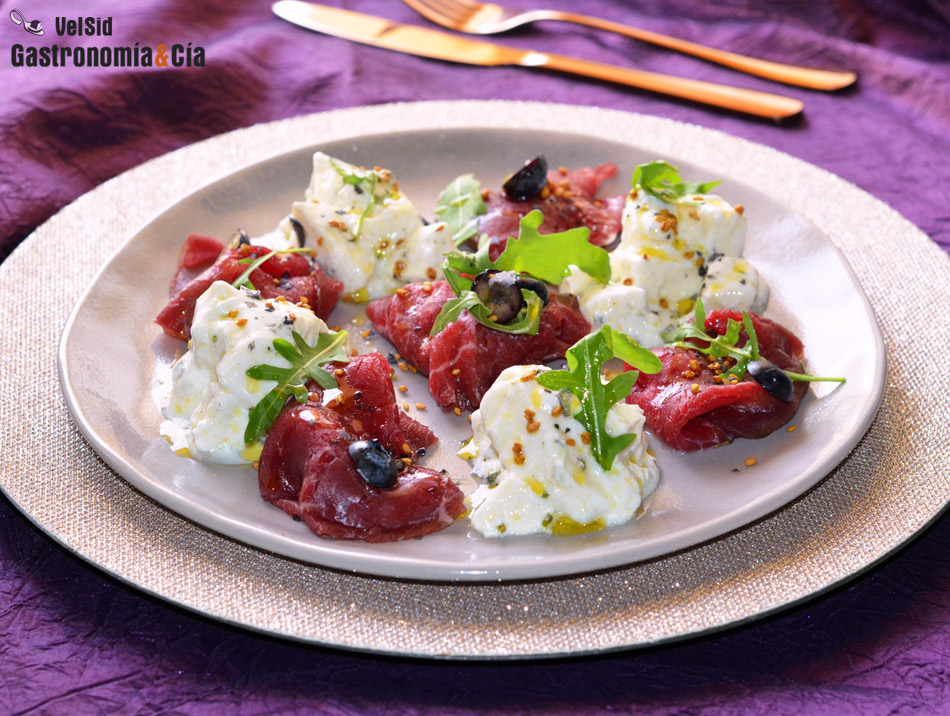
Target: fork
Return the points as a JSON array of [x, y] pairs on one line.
[[488, 19]]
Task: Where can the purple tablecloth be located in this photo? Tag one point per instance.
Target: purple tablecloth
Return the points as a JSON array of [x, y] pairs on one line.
[[74, 641]]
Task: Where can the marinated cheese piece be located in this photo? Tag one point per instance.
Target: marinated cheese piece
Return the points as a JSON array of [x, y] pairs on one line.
[[538, 471], [663, 264], [206, 412], [366, 231]]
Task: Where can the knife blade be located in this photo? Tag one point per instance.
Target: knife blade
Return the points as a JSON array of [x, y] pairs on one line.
[[380, 32]]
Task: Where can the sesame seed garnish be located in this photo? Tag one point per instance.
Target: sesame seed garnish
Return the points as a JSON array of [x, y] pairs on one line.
[[628, 282], [585, 438], [791, 428], [457, 410], [406, 448], [571, 442], [517, 449], [695, 388], [403, 365], [242, 322], [456, 371], [556, 410], [430, 272], [420, 406], [366, 333], [401, 291], [338, 372], [405, 406], [402, 388], [413, 369], [750, 461]]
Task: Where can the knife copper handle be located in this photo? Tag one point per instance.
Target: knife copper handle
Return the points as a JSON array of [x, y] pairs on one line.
[[761, 104]]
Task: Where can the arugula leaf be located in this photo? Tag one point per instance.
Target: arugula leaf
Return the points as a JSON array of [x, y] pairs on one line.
[[244, 278], [526, 322], [545, 256], [633, 354], [452, 309], [364, 181], [725, 345], [305, 363], [460, 205], [663, 180], [583, 378], [719, 346]]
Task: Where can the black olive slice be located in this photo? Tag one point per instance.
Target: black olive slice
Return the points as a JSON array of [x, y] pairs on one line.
[[299, 231], [500, 293], [504, 296], [532, 284], [773, 379], [374, 463], [239, 238], [480, 285], [527, 181]]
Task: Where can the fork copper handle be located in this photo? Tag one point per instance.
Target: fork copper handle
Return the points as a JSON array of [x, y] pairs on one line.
[[761, 104], [789, 74]]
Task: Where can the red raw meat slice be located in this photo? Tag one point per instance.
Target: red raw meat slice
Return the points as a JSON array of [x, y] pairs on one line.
[[463, 360], [718, 413], [367, 401], [199, 250], [306, 470], [197, 253], [578, 208], [406, 317], [289, 275]]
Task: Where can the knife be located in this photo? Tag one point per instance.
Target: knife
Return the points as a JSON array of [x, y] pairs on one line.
[[381, 32]]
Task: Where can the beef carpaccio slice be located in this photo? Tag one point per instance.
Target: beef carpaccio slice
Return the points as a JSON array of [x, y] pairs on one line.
[[306, 470], [463, 360], [292, 276], [570, 201], [718, 413]]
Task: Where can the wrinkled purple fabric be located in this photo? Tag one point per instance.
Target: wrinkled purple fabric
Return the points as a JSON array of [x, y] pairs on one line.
[[72, 641]]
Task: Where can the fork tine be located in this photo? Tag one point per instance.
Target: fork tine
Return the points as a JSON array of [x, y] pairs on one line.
[[469, 6], [443, 11]]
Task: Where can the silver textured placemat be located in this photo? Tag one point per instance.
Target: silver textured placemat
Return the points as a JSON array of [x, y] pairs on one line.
[[895, 481]]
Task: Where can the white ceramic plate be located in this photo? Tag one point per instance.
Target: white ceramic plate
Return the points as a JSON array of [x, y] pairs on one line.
[[109, 384]]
